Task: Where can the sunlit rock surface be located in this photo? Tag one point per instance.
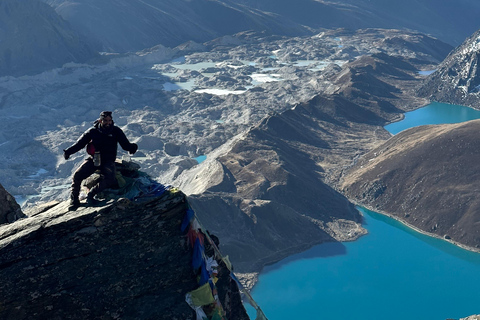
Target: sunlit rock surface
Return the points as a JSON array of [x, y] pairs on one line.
[[457, 78]]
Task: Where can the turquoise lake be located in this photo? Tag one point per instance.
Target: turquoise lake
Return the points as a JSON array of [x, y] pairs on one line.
[[434, 113], [392, 273]]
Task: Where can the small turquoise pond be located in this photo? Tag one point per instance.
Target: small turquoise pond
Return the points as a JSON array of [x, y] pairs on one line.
[[200, 159], [392, 273]]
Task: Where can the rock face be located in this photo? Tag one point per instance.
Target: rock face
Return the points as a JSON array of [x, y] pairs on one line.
[[426, 176], [125, 260], [457, 78], [35, 38], [10, 211]]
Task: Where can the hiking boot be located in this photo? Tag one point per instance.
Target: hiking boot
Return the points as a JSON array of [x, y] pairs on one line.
[[73, 205], [91, 201]]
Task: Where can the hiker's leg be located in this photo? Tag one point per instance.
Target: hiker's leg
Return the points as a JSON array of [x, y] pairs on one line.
[[109, 179], [84, 171]]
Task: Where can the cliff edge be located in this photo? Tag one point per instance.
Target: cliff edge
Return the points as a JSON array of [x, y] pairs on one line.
[[121, 260]]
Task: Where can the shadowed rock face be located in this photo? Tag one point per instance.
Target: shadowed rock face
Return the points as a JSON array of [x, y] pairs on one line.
[[35, 38], [427, 176], [9, 209], [120, 261]]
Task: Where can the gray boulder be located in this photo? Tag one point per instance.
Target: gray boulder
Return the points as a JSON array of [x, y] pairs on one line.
[[9, 209]]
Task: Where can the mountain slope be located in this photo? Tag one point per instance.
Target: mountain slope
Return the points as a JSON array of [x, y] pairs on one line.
[[268, 186], [35, 38], [126, 25], [134, 25], [449, 21], [457, 79], [427, 176]]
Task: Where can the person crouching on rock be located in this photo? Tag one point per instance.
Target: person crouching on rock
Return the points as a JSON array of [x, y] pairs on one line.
[[101, 142]]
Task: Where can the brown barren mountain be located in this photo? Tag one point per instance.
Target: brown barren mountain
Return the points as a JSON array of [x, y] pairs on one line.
[[428, 177]]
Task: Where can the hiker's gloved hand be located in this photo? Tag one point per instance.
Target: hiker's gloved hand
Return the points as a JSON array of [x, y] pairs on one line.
[[66, 155], [133, 149]]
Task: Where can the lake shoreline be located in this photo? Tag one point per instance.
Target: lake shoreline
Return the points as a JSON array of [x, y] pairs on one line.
[[405, 223]]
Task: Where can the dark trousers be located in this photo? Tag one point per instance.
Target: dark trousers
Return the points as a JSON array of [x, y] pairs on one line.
[[107, 170]]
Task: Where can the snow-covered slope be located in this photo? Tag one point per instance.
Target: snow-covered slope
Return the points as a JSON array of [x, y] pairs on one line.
[[457, 79]]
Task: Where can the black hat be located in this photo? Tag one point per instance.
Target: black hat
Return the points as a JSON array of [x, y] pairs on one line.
[[104, 114]]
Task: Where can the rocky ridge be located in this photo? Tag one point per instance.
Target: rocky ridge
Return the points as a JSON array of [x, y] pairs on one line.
[[457, 78], [426, 177], [122, 260]]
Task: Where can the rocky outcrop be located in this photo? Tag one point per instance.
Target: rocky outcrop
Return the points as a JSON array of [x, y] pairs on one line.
[[10, 211], [427, 176], [123, 260], [457, 78], [35, 38]]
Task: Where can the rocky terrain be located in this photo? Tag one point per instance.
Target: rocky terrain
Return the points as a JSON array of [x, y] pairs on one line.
[[124, 260], [34, 38], [250, 103], [457, 78], [427, 177], [10, 211]]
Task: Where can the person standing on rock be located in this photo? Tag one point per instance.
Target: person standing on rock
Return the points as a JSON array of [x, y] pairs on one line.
[[101, 142]]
